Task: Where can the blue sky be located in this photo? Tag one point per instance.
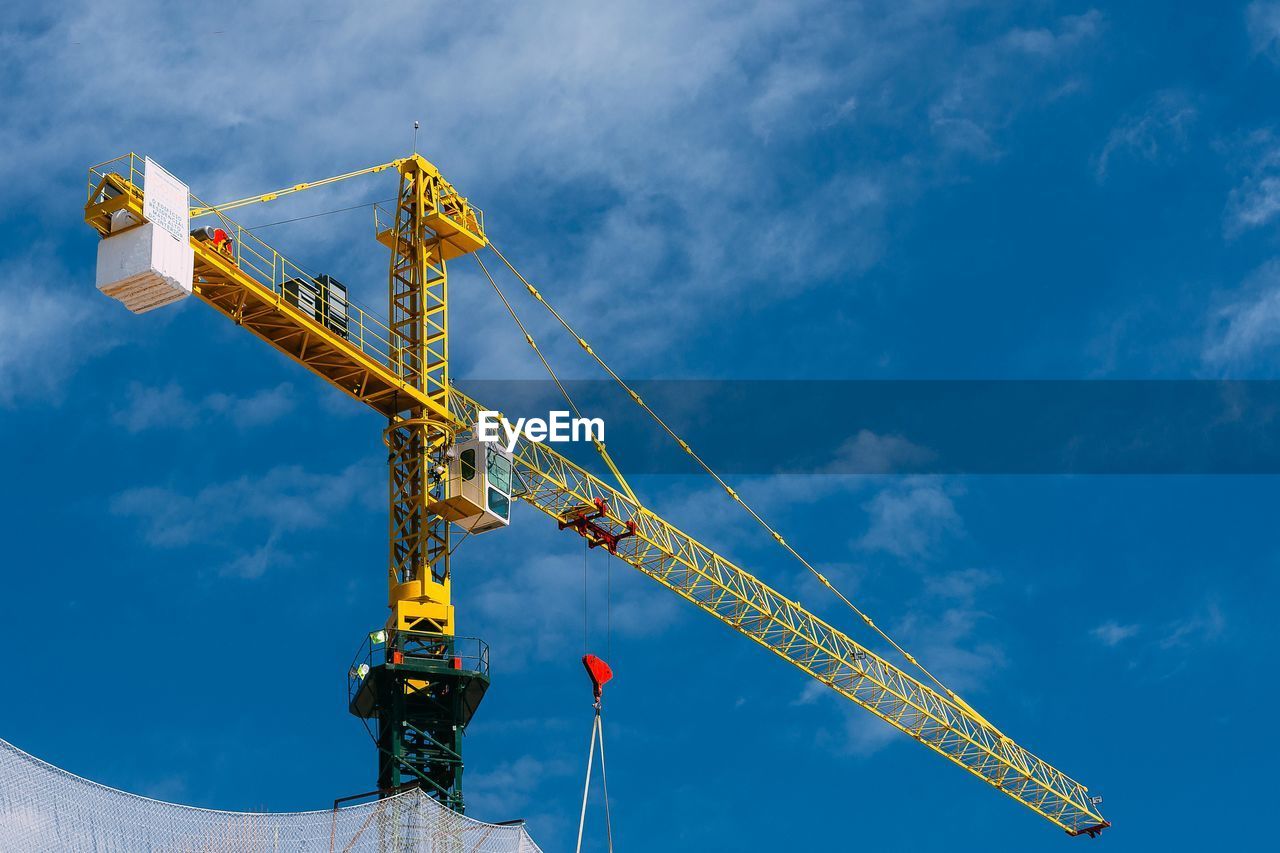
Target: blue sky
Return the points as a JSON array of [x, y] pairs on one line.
[[195, 528]]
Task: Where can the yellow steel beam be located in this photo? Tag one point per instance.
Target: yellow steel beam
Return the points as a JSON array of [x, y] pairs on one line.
[[559, 488], [372, 363], [432, 224]]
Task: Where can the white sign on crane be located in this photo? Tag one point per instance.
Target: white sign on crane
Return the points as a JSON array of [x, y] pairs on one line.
[[164, 201]]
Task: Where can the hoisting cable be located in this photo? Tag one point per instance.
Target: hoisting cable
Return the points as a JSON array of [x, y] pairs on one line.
[[586, 600], [604, 782], [736, 497], [600, 448], [600, 674]]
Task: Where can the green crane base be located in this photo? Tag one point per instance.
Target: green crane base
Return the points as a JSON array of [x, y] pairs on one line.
[[421, 689]]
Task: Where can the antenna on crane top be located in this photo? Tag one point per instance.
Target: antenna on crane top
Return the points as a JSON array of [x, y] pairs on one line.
[[415, 137]]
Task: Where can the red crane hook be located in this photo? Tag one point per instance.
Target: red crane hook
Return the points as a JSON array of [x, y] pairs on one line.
[[599, 672]]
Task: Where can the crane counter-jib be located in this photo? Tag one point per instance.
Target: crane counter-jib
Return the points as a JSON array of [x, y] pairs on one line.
[[249, 282]]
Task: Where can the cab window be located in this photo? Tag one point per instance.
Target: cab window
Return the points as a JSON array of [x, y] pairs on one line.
[[468, 464], [499, 504], [499, 468]]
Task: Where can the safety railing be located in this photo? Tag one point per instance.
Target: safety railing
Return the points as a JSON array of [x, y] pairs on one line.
[[383, 219], [457, 208], [436, 651], [269, 268], [452, 205]]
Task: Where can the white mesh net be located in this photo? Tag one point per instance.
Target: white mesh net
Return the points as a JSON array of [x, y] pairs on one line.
[[47, 810]]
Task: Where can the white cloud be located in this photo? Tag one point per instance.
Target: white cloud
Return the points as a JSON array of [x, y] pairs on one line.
[[262, 509], [534, 610], [1112, 633], [787, 89], [958, 585], [1154, 133], [253, 564], [47, 331], [865, 734], [869, 453], [1048, 42], [989, 84], [262, 407], [1263, 21], [511, 787], [168, 407], [1255, 201], [943, 629], [620, 107], [1203, 626], [627, 111], [911, 518], [515, 790], [1249, 325], [858, 733], [149, 407]]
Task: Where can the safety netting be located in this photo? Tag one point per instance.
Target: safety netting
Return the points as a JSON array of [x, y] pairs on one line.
[[44, 809]]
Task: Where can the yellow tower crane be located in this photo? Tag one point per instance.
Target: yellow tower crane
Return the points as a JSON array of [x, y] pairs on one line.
[[418, 681]]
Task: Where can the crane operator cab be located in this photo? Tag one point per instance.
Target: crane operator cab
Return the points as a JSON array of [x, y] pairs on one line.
[[480, 484]]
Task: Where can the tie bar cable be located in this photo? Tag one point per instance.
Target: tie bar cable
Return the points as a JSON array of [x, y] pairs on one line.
[[777, 537], [600, 448]]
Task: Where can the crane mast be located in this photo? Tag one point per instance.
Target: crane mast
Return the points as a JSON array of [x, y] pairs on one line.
[[417, 435], [420, 693], [417, 679]]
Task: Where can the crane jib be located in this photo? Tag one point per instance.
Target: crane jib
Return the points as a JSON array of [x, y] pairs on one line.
[[559, 488]]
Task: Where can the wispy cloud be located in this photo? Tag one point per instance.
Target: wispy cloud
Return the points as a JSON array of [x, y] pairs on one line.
[[1112, 633], [626, 112], [992, 82], [857, 733], [1204, 625], [1255, 201], [1156, 644], [943, 627], [910, 519], [255, 562], [1248, 325], [863, 734], [510, 789], [263, 509], [47, 331], [1263, 21], [1070, 32], [168, 407], [1153, 134], [535, 609]]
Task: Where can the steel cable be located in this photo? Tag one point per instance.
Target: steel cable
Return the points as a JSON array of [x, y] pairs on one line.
[[636, 398]]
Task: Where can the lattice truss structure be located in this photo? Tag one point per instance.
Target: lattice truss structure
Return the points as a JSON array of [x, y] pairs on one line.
[[47, 810], [693, 571]]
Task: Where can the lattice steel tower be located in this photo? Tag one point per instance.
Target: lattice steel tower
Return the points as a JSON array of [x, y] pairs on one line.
[[422, 683]]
